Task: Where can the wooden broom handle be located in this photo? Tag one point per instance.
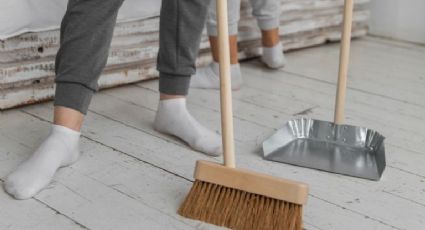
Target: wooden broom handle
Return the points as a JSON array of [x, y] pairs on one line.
[[225, 85], [343, 63]]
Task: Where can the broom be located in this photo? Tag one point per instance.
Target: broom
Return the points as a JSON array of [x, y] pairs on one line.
[[236, 198]]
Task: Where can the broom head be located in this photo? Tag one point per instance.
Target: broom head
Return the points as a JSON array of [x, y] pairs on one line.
[[241, 199]]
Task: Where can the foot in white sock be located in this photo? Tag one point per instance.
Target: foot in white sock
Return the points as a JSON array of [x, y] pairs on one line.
[[60, 149], [273, 57], [173, 118], [209, 77]]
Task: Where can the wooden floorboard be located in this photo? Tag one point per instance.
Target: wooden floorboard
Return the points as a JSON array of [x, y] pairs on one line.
[[107, 189], [32, 214], [132, 176]]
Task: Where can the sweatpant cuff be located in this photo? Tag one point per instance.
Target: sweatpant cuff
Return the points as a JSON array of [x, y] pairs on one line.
[[269, 24], [174, 84], [73, 95]]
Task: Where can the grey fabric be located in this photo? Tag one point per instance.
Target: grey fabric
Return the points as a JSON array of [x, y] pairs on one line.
[[86, 33], [181, 25], [74, 96], [233, 9], [265, 11]]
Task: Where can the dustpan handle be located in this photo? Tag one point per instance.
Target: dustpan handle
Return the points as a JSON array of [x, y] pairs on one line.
[[343, 63], [225, 85]]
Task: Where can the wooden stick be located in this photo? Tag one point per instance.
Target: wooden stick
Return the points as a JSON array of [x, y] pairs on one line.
[[343, 63], [225, 85]]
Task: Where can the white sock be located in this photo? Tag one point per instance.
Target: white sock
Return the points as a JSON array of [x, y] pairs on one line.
[[173, 118], [209, 77], [61, 148], [273, 57]]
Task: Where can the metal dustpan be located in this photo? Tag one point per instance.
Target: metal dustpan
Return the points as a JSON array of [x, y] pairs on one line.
[[344, 149], [328, 146]]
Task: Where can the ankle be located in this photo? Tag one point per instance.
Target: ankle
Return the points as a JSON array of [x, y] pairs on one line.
[[166, 108], [68, 118], [70, 139], [270, 38], [164, 96], [233, 46], [172, 103]]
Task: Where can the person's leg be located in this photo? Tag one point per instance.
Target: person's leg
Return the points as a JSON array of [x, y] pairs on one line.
[[179, 45], [233, 42], [208, 77], [267, 13], [86, 32]]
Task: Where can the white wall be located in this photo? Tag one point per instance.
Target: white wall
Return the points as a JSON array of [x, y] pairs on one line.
[[20, 16], [398, 19]]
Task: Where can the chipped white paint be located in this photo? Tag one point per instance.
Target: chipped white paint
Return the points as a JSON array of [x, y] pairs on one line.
[[27, 61]]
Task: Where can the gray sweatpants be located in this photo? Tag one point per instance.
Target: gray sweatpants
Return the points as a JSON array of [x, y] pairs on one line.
[[86, 33], [265, 11]]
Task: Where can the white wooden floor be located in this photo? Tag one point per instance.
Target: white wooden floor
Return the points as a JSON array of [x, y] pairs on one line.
[[131, 177]]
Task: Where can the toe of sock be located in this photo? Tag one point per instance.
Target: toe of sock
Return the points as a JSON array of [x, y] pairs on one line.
[[24, 194], [209, 144], [216, 152], [9, 187], [19, 191]]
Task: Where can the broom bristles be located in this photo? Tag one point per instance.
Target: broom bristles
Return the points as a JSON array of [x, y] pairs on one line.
[[237, 209]]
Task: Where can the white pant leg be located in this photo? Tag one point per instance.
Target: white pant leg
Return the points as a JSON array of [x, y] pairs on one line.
[[267, 13], [233, 8]]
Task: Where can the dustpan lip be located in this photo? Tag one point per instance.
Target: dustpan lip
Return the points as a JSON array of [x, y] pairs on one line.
[[333, 123], [305, 123]]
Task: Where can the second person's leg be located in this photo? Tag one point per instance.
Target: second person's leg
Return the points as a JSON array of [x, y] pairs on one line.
[[267, 13], [181, 26], [208, 77]]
